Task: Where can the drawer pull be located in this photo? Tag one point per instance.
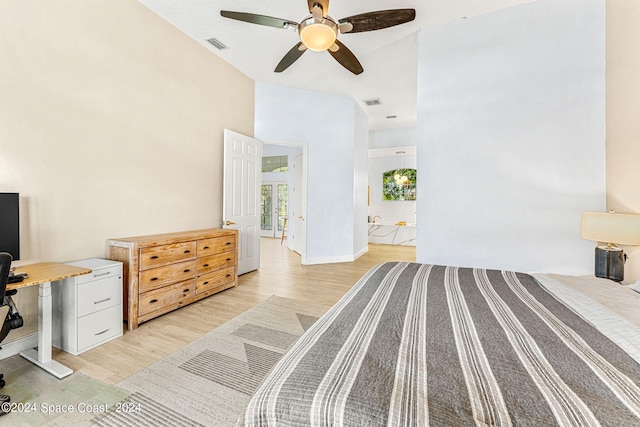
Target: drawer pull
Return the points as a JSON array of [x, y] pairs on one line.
[[152, 301], [206, 265], [228, 275], [102, 274], [228, 243], [206, 247], [228, 259], [186, 271], [155, 257], [153, 279], [205, 283], [102, 300], [186, 290], [187, 251], [100, 333]]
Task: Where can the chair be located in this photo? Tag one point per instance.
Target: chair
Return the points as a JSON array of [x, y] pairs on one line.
[[9, 315]]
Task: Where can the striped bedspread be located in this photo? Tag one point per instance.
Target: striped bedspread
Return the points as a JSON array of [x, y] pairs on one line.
[[423, 345]]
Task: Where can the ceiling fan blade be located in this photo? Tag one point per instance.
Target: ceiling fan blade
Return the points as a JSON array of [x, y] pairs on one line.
[[324, 4], [377, 20], [258, 19], [291, 57], [345, 57]]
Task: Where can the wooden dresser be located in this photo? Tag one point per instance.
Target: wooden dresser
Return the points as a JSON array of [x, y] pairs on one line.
[[164, 272]]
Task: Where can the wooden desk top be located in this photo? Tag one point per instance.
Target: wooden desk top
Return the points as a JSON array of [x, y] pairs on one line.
[[46, 272]]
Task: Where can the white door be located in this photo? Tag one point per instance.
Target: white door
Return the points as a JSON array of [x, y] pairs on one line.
[[241, 196], [297, 231]]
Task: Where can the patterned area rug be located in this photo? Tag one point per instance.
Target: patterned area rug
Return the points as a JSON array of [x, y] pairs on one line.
[[210, 381], [39, 399]]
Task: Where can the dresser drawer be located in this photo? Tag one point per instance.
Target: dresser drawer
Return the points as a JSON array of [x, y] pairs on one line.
[[215, 279], [96, 296], [114, 270], [215, 262], [216, 245], [166, 254], [168, 295], [99, 327], [158, 277]]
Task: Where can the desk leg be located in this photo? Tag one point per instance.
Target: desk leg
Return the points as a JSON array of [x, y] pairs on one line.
[[42, 356]]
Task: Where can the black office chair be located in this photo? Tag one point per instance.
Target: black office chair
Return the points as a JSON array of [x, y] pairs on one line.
[[9, 315]]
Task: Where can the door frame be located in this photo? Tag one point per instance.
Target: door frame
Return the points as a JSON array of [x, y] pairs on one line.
[[305, 163]]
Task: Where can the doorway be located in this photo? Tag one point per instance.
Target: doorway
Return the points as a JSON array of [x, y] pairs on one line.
[[283, 195]]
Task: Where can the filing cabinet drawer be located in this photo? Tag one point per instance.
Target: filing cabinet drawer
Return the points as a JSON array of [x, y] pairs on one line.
[[158, 277], [97, 296], [96, 328], [101, 273], [166, 254], [216, 245], [165, 296]]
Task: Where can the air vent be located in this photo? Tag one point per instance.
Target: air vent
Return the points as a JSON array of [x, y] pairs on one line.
[[372, 102], [392, 117], [217, 43]]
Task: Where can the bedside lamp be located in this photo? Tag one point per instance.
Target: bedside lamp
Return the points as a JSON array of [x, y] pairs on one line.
[[612, 229]]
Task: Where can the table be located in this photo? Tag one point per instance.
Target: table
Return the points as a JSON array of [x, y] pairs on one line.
[[42, 274]]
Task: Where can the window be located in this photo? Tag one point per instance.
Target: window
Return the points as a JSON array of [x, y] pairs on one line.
[[275, 164], [266, 207], [399, 184]]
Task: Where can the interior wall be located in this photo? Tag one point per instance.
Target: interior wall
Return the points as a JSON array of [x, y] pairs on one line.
[[360, 181], [510, 132], [623, 110], [326, 124], [112, 126], [393, 137]]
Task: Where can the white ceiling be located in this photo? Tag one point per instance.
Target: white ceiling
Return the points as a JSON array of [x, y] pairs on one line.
[[388, 56]]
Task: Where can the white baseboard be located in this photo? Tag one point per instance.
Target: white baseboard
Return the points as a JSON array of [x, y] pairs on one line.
[[361, 252], [327, 260], [21, 344], [334, 259]]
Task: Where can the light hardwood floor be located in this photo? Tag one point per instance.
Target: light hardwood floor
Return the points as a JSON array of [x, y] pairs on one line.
[[280, 274]]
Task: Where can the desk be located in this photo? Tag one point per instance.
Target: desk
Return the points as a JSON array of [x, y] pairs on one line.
[[43, 274]]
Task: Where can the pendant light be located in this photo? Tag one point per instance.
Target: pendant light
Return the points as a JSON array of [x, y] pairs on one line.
[[400, 175]]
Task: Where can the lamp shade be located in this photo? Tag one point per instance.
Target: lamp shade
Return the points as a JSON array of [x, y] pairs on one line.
[[318, 34], [618, 228]]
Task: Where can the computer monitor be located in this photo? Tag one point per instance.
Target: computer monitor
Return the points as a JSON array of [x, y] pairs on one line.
[[10, 224]]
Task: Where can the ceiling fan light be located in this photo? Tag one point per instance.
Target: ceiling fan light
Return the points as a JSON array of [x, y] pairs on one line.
[[318, 34]]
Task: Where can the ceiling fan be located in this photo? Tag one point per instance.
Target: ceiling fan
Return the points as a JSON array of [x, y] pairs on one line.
[[319, 31]]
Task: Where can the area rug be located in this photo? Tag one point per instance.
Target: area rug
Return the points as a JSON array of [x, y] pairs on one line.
[[39, 399], [210, 381]]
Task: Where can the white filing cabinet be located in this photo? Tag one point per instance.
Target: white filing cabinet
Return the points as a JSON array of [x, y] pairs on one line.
[[88, 308]]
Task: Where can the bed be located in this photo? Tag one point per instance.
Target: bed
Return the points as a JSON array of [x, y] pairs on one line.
[[415, 345]]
